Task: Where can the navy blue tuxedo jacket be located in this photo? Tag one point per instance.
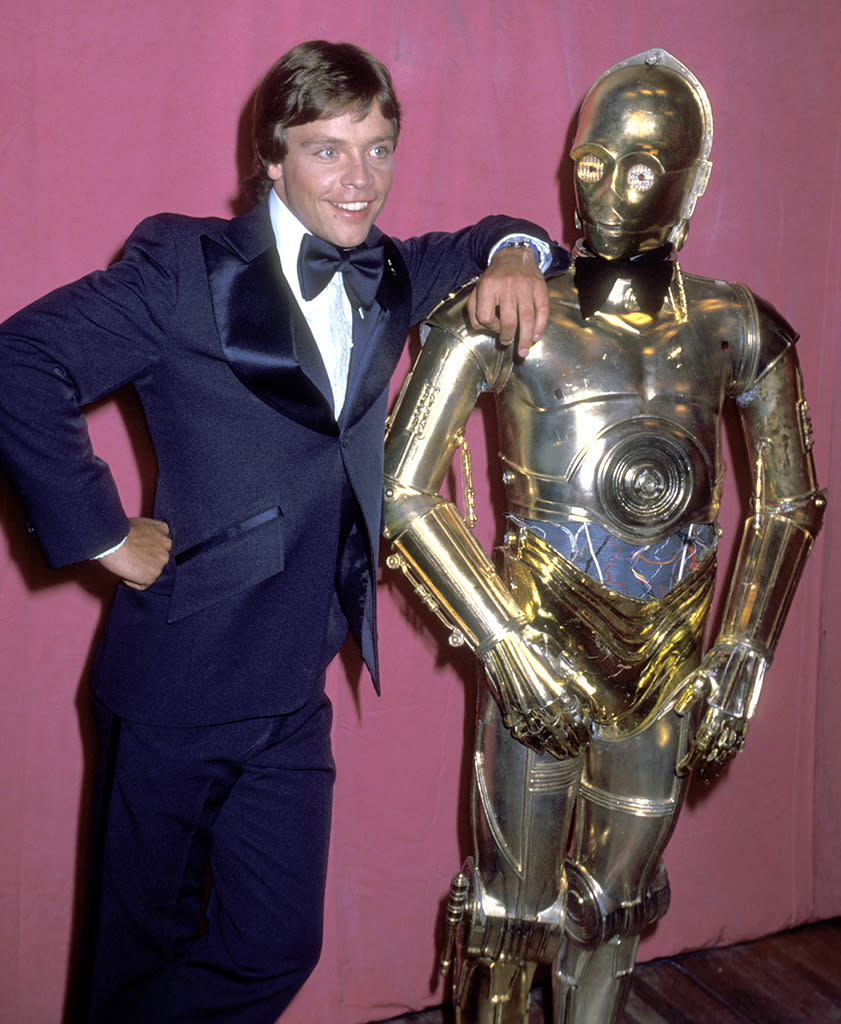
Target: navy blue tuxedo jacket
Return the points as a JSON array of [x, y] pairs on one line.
[[256, 478]]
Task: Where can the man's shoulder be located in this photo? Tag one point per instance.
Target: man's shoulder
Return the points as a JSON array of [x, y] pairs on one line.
[[183, 225], [189, 225], [246, 234]]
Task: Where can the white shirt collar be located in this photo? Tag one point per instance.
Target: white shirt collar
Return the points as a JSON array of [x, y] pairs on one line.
[[328, 314], [288, 232]]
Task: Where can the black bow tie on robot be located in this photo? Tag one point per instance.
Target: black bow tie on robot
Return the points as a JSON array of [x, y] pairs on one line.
[[361, 268], [650, 274]]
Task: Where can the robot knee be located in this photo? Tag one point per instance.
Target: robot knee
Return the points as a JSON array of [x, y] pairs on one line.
[[480, 928], [593, 917]]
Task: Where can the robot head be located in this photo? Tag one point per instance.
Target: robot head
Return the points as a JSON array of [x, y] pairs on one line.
[[641, 155]]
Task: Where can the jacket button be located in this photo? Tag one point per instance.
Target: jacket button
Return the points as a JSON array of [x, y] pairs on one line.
[[345, 442]]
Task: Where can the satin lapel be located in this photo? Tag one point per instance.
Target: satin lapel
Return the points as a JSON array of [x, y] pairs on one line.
[[374, 361], [262, 331]]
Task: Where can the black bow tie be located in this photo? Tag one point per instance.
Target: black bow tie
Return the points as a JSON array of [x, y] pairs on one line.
[[650, 274], [361, 267]]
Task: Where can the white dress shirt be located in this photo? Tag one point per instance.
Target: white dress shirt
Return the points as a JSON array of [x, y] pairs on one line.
[[328, 314]]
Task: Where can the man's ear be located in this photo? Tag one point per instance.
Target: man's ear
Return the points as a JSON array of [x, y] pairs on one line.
[[275, 173]]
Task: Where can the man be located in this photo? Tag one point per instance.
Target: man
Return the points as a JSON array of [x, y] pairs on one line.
[[591, 636], [263, 375]]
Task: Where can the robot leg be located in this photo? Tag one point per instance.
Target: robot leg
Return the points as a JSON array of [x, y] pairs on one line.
[[506, 906], [628, 803], [495, 956]]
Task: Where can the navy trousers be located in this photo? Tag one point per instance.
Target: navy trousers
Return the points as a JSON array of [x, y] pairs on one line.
[[208, 868]]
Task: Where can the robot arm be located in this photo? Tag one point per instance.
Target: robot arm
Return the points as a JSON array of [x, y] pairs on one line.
[[786, 516], [535, 685]]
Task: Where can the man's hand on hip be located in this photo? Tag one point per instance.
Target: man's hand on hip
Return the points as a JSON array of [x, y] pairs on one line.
[[141, 558]]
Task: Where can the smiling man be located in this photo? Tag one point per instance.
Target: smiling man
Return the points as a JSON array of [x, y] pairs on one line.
[[337, 174], [261, 350]]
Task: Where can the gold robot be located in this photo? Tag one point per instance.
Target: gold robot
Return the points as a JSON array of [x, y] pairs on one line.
[[600, 701]]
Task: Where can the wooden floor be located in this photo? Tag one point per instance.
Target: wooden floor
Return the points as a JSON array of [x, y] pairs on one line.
[[791, 978]]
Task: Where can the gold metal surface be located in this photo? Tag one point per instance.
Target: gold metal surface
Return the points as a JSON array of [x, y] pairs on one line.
[[637, 651], [599, 704]]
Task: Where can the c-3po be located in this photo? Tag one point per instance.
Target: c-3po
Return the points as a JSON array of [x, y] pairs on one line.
[[590, 633]]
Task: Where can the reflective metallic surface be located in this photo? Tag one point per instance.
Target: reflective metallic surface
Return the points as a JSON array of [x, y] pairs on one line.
[[636, 652], [599, 702], [641, 154]]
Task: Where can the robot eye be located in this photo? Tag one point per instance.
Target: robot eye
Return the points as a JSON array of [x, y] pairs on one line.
[[640, 178], [589, 168]]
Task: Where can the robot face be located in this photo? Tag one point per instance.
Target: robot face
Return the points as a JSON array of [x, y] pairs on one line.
[[639, 157], [627, 201]]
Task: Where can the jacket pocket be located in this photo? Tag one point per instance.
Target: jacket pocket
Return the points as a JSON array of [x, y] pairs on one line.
[[227, 563]]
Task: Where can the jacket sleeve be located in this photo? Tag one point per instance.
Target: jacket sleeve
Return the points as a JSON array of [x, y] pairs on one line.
[[66, 350], [440, 262]]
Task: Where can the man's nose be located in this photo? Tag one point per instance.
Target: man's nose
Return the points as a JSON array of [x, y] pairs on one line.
[[357, 173]]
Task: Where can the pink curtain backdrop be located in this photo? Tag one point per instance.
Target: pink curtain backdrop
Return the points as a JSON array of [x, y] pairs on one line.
[[112, 111]]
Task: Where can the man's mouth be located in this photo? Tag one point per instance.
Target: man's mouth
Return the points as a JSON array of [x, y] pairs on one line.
[[353, 207]]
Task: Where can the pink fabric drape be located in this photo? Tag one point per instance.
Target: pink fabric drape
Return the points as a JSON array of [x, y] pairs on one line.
[[114, 111]]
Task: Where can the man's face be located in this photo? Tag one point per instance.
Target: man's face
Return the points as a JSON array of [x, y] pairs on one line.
[[337, 174]]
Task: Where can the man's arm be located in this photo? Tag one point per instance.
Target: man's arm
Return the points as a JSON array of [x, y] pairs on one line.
[[511, 299], [64, 351], [510, 288]]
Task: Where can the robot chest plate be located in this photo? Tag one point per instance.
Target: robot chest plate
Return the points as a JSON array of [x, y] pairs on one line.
[[616, 429], [661, 363]]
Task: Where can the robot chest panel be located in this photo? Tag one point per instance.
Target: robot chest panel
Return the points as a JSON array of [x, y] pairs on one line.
[[621, 429], [665, 363]]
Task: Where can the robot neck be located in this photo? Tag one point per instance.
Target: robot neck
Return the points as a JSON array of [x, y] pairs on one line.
[[649, 273]]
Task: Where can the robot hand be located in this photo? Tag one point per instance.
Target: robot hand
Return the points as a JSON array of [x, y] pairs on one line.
[[728, 680], [535, 688]]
